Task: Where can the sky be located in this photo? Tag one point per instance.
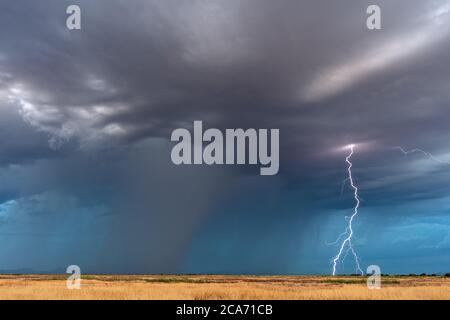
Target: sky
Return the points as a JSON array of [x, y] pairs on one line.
[[86, 117]]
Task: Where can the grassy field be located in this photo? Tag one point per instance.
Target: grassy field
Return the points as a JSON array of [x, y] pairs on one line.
[[221, 287]]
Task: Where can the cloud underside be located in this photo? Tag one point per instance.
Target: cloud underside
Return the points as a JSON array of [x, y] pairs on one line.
[[85, 116]]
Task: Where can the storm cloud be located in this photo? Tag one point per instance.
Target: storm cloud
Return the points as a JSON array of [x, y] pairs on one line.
[[86, 118]]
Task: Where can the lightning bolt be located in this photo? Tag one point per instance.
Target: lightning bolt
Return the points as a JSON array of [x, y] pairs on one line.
[[348, 234], [417, 150]]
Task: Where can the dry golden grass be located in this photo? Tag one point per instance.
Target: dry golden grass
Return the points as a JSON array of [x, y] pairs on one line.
[[222, 287]]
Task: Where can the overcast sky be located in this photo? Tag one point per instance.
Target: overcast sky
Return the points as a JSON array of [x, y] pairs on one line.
[[86, 117]]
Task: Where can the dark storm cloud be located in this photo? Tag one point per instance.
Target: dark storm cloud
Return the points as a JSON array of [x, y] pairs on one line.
[[20, 142], [139, 69]]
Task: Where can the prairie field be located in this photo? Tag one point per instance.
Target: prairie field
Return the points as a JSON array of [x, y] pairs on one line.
[[199, 287]]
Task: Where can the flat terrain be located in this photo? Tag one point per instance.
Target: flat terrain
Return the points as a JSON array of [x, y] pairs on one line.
[[221, 287]]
